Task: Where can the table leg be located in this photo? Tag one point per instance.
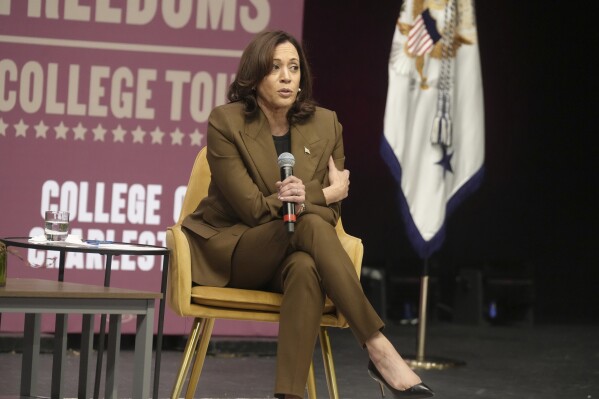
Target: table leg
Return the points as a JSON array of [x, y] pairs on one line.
[[61, 264], [87, 347], [59, 357], [112, 360], [100, 356], [165, 261], [108, 269], [31, 352], [143, 352]]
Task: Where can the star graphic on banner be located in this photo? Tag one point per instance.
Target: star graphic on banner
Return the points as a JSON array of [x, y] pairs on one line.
[[61, 131], [3, 127], [79, 132], [99, 133], [445, 161], [119, 134], [157, 135], [177, 137], [138, 135], [40, 130], [21, 129], [196, 138]]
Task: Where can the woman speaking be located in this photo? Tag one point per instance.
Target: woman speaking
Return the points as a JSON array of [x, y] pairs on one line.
[[238, 235]]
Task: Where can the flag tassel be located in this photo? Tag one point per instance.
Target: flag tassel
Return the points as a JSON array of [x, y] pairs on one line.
[[442, 128], [441, 132]]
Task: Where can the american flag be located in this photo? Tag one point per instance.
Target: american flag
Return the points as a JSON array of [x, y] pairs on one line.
[[423, 34]]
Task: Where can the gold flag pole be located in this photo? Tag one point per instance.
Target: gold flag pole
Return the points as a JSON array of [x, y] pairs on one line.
[[420, 361]]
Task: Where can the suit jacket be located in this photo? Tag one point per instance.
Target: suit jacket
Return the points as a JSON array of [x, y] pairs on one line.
[[242, 192]]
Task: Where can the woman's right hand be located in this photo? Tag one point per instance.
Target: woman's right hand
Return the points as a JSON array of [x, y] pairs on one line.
[[339, 184]]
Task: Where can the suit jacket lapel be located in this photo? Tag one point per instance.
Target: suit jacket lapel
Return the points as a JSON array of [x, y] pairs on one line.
[[261, 150]]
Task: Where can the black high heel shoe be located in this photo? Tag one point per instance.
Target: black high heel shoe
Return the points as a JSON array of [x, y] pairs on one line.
[[418, 391]]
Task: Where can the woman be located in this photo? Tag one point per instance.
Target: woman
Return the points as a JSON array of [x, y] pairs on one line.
[[237, 235]]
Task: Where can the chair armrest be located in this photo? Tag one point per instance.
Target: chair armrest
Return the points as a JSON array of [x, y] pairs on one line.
[[178, 291], [353, 246], [355, 250]]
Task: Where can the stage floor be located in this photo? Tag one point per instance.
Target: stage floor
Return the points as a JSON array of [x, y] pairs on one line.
[[523, 362]]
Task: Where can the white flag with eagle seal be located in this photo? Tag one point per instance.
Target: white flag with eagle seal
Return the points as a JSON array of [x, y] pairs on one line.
[[434, 118]]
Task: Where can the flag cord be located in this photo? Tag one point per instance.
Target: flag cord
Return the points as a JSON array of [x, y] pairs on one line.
[[442, 125]]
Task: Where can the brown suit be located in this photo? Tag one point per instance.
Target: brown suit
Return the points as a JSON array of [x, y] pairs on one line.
[[238, 239], [242, 193]]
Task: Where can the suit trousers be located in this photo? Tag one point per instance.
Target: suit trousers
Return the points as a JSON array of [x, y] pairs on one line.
[[306, 266]]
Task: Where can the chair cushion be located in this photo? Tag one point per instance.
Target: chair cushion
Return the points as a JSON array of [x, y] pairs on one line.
[[235, 298]]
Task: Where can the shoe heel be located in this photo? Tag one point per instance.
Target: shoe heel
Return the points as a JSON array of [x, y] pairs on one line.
[[382, 389]]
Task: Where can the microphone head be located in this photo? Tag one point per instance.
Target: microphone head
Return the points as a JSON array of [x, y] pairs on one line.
[[286, 159]]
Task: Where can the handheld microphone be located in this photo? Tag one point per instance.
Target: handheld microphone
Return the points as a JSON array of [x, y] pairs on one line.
[[286, 162]]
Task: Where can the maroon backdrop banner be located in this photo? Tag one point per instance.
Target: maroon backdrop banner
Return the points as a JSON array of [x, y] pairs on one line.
[[103, 108]]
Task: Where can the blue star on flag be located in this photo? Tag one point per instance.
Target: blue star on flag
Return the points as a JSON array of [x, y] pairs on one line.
[[445, 161]]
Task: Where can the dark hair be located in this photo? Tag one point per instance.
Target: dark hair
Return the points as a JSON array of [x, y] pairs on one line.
[[256, 63]]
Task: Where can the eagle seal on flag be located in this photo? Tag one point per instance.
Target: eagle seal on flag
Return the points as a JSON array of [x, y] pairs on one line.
[[434, 118]]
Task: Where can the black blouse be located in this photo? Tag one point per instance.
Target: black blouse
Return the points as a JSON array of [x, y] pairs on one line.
[[282, 143]]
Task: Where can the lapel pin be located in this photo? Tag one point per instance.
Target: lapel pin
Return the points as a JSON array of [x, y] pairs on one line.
[[306, 150]]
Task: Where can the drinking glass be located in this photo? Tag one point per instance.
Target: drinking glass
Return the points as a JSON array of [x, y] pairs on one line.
[[57, 225]]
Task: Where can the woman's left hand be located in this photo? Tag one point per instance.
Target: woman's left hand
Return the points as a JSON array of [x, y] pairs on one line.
[[291, 189], [339, 188]]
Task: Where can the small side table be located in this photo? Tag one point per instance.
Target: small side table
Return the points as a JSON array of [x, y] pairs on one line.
[[34, 297], [61, 319]]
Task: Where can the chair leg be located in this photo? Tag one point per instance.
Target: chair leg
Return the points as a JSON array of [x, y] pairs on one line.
[[206, 333], [190, 348], [311, 382], [329, 366]]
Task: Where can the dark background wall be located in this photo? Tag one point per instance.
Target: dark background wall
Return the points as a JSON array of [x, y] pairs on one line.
[[536, 211]]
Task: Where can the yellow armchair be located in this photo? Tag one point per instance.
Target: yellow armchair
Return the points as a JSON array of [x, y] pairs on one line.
[[205, 304]]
